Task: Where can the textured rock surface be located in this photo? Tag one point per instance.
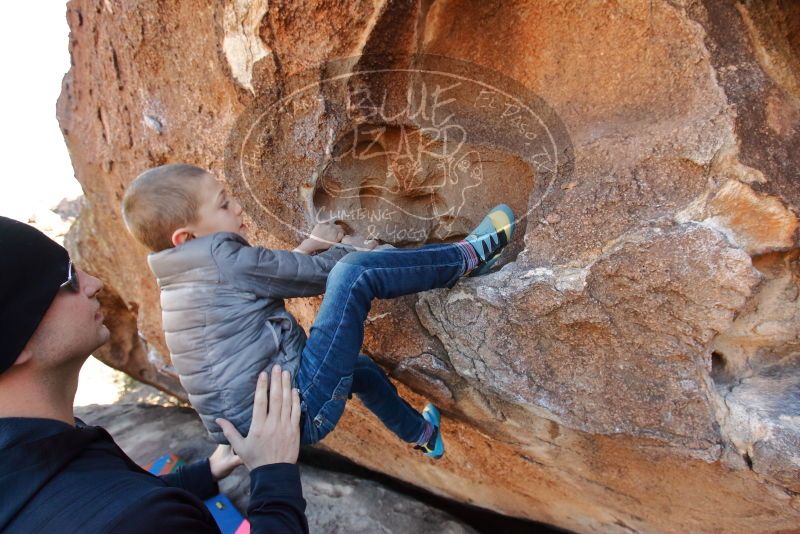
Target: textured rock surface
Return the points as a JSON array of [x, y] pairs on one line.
[[336, 502], [634, 364]]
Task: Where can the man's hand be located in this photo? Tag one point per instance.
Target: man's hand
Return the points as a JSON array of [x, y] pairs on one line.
[[359, 242], [222, 462], [274, 435], [322, 237]]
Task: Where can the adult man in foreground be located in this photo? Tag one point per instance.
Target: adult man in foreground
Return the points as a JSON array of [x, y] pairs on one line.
[[58, 474]]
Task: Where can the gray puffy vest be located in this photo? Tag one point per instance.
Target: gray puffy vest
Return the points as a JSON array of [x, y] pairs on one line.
[[224, 317]]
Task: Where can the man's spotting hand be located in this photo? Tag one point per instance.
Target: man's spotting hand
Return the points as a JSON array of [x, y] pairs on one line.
[[274, 435], [223, 462]]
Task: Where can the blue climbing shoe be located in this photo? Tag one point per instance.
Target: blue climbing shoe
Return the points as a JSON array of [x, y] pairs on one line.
[[490, 237], [435, 446]]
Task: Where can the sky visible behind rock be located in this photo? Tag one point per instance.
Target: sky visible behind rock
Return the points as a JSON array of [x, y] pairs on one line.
[[37, 172]]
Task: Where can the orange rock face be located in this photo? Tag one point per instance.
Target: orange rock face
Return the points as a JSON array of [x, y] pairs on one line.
[[634, 364]]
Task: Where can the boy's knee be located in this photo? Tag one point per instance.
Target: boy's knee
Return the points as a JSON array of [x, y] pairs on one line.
[[346, 270], [356, 257]]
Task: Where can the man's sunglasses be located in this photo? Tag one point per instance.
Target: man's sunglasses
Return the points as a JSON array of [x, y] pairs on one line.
[[72, 279]]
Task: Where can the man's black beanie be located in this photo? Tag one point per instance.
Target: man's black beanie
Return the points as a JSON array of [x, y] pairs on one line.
[[32, 269]]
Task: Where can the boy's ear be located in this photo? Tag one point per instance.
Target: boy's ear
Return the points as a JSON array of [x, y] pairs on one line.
[[181, 236]]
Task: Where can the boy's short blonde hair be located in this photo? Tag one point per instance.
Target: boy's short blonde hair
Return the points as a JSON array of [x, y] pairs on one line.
[[161, 200]]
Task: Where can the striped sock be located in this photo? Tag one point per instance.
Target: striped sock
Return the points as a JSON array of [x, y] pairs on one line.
[[426, 434], [471, 258]]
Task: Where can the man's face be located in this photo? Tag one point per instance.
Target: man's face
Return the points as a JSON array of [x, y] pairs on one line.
[[217, 212], [72, 328]]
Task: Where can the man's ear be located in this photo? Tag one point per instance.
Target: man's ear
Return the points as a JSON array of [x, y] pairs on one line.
[[181, 236]]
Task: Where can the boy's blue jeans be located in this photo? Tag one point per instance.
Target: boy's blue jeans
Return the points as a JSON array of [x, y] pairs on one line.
[[331, 366]]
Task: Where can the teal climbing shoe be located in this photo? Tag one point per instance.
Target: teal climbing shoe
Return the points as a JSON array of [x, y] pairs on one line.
[[490, 237], [435, 446]]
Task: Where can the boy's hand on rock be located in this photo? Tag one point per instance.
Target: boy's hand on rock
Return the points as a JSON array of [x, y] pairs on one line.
[[326, 233], [322, 237], [274, 435], [359, 242]]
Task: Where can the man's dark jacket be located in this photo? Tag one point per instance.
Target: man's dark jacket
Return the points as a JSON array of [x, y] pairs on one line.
[[55, 477]]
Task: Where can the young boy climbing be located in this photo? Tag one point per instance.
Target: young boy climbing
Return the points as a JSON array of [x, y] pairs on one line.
[[223, 308]]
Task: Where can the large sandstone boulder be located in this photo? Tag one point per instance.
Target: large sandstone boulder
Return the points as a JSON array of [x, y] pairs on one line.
[[634, 365]]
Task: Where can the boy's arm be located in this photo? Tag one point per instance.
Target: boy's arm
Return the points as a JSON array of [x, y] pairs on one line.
[[276, 273]]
